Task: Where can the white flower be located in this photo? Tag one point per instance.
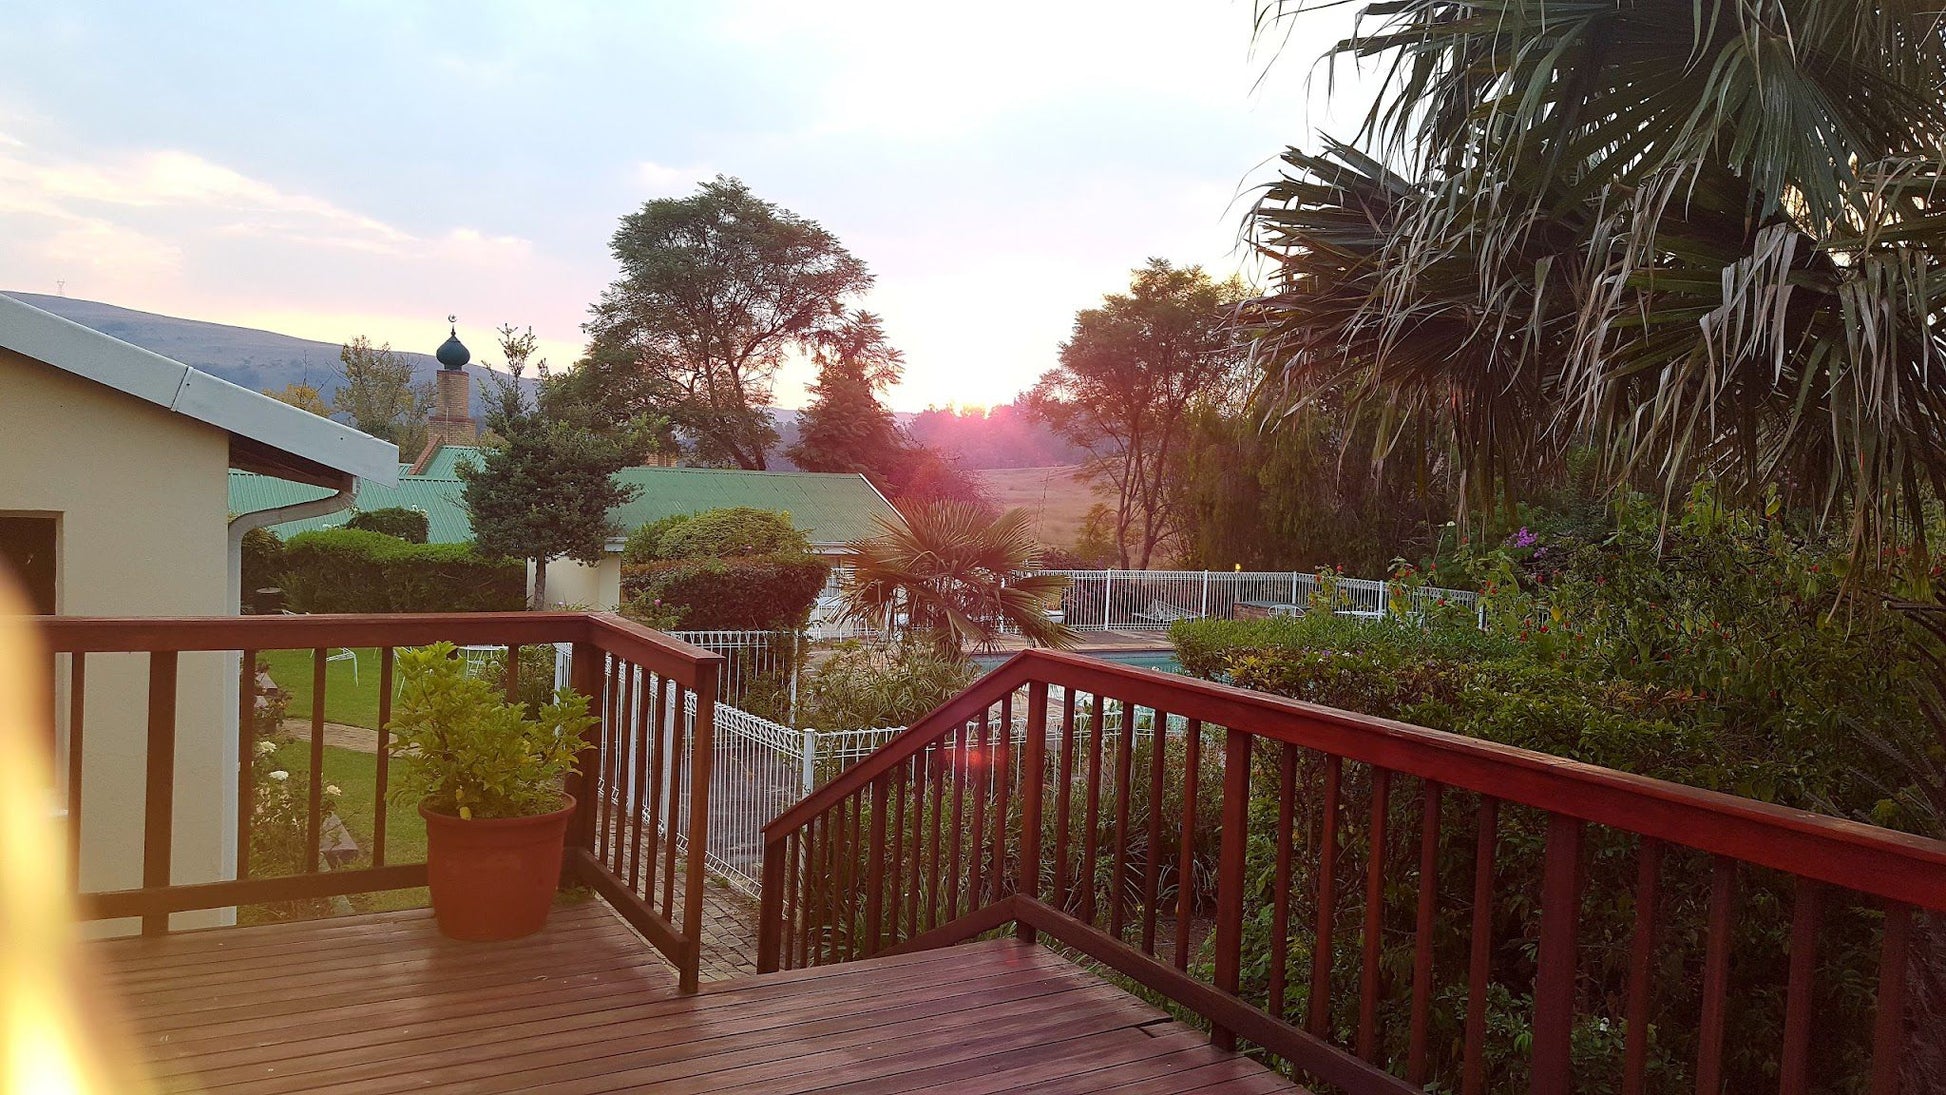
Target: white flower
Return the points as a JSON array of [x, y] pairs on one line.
[[332, 789], [280, 775], [265, 748]]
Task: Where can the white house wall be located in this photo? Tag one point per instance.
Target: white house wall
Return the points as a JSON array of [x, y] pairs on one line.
[[141, 500]]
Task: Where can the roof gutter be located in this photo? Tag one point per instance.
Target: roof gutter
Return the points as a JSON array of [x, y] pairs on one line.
[[263, 518]]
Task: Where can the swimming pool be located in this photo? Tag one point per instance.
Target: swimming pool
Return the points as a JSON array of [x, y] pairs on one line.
[[1162, 660]]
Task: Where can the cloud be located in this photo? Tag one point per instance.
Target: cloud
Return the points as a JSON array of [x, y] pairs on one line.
[[663, 181]]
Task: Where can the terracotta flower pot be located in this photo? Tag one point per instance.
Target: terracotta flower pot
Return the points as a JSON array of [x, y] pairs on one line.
[[494, 878]]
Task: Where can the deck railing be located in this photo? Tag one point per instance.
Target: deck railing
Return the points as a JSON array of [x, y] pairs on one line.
[[655, 698], [1381, 906]]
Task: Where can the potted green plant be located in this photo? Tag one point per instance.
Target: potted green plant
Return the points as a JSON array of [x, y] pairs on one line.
[[488, 780]]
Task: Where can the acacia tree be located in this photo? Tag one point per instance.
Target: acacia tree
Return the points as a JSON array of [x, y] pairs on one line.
[[380, 396], [846, 428], [1130, 373], [545, 485], [716, 289]]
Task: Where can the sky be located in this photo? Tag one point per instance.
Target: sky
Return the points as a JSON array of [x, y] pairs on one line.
[[331, 170]]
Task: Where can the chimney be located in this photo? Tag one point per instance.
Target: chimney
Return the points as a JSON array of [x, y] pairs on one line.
[[452, 421]]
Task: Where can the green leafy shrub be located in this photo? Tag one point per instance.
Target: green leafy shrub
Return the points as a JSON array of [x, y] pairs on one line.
[[644, 545], [536, 683], [466, 751], [733, 532], [353, 570], [263, 560], [861, 687], [752, 593], [409, 525]]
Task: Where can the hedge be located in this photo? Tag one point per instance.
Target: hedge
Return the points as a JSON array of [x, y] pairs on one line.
[[751, 593], [409, 525], [736, 531], [353, 570]]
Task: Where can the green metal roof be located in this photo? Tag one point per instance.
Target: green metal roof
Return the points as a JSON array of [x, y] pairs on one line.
[[831, 509], [439, 499]]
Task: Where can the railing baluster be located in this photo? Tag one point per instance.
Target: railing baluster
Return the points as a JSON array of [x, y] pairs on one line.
[[1186, 861], [77, 759], [982, 787], [962, 762], [1063, 799], [1002, 797], [895, 854], [641, 719], [1473, 1067], [613, 671], [1422, 931], [875, 868], [1124, 784], [1374, 915], [1806, 911], [658, 760], [1152, 859], [678, 707], [916, 881], [849, 873], [619, 739], [382, 800], [1641, 965], [246, 753], [1232, 857], [314, 809], [1888, 1026], [787, 938], [1555, 965], [159, 796], [1091, 813], [1033, 783], [585, 677], [1716, 974], [940, 758], [1318, 1022], [1280, 909]]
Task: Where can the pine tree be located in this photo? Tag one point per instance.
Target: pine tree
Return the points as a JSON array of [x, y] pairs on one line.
[[846, 428]]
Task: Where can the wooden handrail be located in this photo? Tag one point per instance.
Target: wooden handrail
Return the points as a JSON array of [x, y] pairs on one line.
[[835, 865], [635, 680], [1895, 865]]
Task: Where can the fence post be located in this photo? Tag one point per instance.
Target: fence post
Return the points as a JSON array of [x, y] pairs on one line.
[[1205, 613], [810, 759], [1294, 599], [1107, 598]]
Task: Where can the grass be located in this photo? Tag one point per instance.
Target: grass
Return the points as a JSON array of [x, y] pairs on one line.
[[355, 773], [354, 703], [1057, 498]]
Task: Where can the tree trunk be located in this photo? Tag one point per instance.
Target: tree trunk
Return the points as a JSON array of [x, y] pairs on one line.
[[537, 602]]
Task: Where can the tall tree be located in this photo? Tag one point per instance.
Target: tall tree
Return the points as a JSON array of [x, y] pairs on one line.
[[302, 396], [846, 428], [1130, 372], [545, 484], [715, 291], [380, 397]]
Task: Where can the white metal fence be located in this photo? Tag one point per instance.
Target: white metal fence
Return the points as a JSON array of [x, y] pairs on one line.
[[1138, 600]]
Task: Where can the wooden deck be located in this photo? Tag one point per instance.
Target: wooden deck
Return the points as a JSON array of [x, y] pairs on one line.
[[382, 1003]]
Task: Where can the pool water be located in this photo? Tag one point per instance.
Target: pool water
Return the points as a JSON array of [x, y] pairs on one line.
[[1162, 660]]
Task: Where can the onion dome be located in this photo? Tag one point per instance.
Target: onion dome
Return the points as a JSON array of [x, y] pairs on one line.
[[452, 353]]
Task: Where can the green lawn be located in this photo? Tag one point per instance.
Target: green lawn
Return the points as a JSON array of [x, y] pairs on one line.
[[345, 701], [356, 774]]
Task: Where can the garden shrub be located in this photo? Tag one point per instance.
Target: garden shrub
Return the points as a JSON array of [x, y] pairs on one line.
[[352, 570], [263, 560], [409, 525], [715, 534], [862, 686], [751, 593]]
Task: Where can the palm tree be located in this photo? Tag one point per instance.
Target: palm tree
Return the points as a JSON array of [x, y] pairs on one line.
[[1699, 234], [957, 576]]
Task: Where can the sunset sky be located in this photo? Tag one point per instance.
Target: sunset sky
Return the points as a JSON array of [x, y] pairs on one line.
[[366, 168]]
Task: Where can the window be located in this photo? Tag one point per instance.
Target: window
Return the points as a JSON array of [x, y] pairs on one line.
[[27, 550]]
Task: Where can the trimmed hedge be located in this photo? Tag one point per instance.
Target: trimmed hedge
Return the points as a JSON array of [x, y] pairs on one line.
[[353, 570], [734, 532], [409, 525], [750, 593]]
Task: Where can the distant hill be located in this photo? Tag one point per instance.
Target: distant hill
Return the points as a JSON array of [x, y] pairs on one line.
[[259, 360]]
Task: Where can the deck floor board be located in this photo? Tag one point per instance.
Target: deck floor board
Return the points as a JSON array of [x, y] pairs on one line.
[[383, 1003]]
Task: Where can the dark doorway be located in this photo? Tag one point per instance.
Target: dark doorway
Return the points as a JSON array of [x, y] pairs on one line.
[[27, 549]]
